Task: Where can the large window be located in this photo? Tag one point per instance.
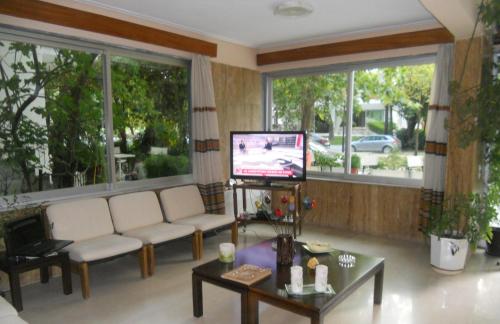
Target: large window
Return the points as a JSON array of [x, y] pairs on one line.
[[363, 120], [150, 119], [54, 129]]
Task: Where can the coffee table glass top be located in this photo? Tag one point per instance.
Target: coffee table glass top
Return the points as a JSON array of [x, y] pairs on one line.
[[343, 280]]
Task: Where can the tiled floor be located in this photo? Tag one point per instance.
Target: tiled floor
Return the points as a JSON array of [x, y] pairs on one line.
[[413, 292]]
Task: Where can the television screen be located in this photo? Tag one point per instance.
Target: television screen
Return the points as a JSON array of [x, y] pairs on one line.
[[268, 155]]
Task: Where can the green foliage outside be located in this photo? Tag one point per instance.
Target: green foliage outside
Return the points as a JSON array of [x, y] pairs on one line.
[[409, 143], [52, 114], [328, 161], [355, 161], [377, 126], [393, 161], [166, 165]]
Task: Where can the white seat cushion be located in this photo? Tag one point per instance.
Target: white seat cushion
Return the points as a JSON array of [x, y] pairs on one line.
[[159, 233], [181, 202], [12, 319], [6, 309], [206, 222], [135, 210], [80, 220], [102, 247]]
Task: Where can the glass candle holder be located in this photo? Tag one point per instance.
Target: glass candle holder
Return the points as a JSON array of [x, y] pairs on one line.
[[296, 279], [321, 279]]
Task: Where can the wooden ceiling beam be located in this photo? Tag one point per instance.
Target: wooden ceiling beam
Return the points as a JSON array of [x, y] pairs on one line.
[[380, 43], [74, 18]]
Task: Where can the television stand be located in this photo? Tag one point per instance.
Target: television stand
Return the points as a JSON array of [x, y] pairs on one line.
[[293, 188]]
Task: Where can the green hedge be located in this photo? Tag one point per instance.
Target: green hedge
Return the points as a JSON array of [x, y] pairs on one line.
[[166, 165], [393, 161], [377, 126]]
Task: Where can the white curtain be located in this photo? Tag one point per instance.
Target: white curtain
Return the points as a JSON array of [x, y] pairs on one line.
[[207, 167], [436, 136]]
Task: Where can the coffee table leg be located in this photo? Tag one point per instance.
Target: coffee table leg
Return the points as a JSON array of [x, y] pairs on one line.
[[44, 274], [317, 319], [197, 296], [15, 291], [66, 275], [252, 309], [379, 285]]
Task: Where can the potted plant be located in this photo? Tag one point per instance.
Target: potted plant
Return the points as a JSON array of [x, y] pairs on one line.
[[355, 164], [460, 225]]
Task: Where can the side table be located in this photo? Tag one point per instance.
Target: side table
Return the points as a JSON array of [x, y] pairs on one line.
[[14, 267]]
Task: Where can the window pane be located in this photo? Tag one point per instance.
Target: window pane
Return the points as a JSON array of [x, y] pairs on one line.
[[150, 119], [317, 104], [51, 118], [392, 102]]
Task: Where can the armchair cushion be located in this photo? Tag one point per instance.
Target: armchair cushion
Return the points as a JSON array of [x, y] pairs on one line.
[[135, 210], [8, 314], [181, 202], [159, 233], [206, 222], [80, 220], [102, 247]]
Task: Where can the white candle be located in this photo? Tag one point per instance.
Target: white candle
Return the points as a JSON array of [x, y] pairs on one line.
[[321, 279], [226, 252], [296, 279]]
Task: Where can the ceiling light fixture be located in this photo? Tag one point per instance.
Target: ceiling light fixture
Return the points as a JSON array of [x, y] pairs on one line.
[[293, 8]]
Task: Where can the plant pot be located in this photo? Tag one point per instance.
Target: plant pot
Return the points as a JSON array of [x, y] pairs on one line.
[[285, 249], [354, 170], [493, 248], [448, 253]]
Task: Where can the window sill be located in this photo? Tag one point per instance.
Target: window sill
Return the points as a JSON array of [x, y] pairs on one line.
[[101, 190]]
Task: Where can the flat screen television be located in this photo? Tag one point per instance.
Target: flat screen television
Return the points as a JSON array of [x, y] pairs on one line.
[[268, 156]]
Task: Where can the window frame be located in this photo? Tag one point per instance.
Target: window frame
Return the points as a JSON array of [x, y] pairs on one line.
[[106, 50], [350, 69]]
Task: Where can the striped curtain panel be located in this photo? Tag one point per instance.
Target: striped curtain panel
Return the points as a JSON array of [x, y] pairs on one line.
[[436, 136], [207, 166]]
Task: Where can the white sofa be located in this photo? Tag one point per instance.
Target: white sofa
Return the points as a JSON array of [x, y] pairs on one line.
[[139, 215], [8, 314], [184, 205], [88, 223]]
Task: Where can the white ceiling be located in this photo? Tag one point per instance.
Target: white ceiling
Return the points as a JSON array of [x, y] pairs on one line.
[[252, 22]]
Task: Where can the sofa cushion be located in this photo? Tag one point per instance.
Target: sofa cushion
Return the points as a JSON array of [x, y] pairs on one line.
[[102, 247], [135, 210], [206, 222], [80, 220], [6, 309], [181, 202], [12, 319], [8, 314], [159, 233]]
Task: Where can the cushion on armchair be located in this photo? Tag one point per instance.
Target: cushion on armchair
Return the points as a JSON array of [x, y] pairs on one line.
[[102, 247], [181, 202], [80, 220], [205, 222]]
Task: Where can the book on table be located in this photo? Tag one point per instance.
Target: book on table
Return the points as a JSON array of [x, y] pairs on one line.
[[247, 274]]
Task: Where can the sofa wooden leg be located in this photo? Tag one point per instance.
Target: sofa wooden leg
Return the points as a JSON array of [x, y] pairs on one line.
[[200, 244], [151, 259], [83, 271], [195, 246], [234, 233], [143, 262]]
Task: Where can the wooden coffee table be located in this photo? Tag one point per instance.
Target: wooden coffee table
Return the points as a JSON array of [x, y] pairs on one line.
[[272, 289]]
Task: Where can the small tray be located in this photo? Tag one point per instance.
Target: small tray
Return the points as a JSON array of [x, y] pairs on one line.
[[309, 290], [313, 252]]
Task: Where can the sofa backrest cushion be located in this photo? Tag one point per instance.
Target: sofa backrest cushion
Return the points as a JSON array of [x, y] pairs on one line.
[[80, 219], [135, 210], [181, 202]]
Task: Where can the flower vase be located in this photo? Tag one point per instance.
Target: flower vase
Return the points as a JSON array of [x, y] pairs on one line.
[[285, 249]]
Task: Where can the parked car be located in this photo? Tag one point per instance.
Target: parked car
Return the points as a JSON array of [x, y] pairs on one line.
[[316, 138], [377, 143]]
